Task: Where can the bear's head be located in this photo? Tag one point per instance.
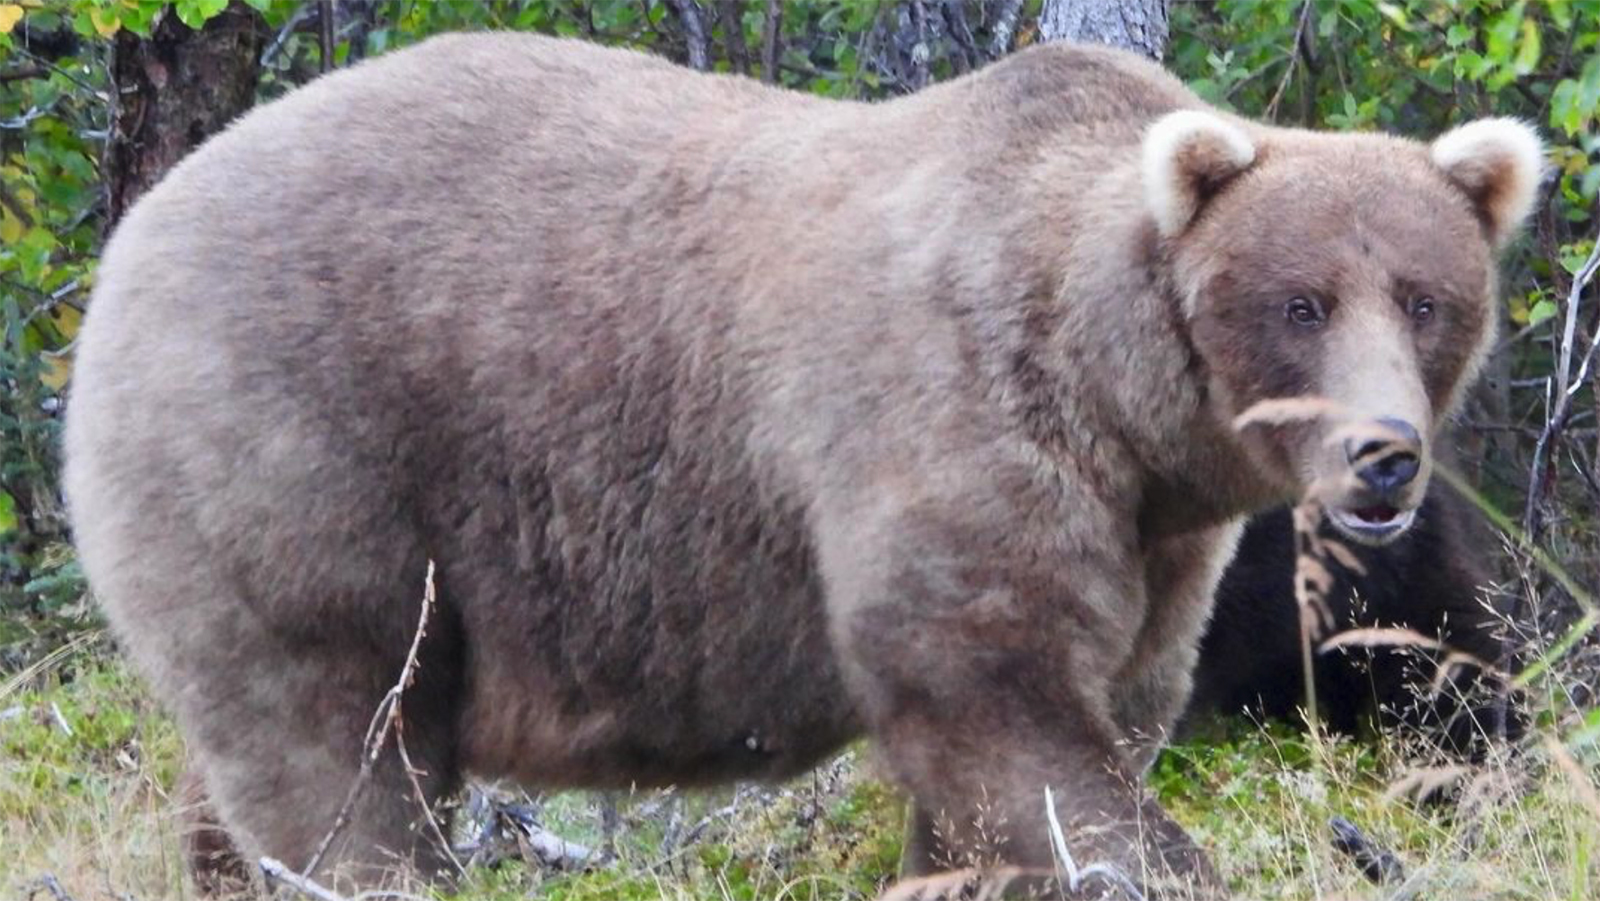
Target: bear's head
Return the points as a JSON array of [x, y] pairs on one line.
[[1352, 274]]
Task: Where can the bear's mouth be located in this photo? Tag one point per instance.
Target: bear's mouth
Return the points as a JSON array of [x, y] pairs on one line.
[[1374, 524]]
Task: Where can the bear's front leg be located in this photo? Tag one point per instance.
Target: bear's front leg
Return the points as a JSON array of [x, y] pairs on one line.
[[1153, 685], [980, 635]]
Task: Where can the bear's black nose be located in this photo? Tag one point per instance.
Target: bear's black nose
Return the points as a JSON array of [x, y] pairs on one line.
[[1391, 471]]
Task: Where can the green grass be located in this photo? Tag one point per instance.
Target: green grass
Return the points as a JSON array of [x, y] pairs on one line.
[[87, 764]]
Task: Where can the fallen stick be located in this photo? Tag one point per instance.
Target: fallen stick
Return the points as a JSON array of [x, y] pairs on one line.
[[276, 872], [1377, 863], [49, 883]]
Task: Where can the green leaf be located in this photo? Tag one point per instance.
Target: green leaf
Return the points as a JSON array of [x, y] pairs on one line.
[[1458, 34], [8, 513], [1573, 256], [1528, 50], [1589, 185], [195, 13], [1564, 112], [1560, 13], [1500, 37], [1541, 311]]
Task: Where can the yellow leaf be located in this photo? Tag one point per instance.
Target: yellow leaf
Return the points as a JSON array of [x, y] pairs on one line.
[[67, 319], [10, 228], [56, 372], [10, 15], [106, 21]]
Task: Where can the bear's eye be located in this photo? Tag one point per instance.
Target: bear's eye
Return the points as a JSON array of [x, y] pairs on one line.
[[1305, 311], [1421, 309]]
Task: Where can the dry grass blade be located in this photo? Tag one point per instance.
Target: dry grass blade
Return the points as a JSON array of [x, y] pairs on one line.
[[1381, 636], [1575, 774], [43, 664], [1287, 410], [1426, 782], [1398, 637], [1346, 558]]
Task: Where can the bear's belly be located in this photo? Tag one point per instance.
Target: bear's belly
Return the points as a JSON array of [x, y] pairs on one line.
[[733, 699], [682, 650]]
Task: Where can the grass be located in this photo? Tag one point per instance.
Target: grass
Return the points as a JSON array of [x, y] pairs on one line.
[[87, 765]]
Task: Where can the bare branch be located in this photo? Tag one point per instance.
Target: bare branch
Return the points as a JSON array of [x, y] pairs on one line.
[[1565, 388], [276, 871], [386, 718], [22, 73]]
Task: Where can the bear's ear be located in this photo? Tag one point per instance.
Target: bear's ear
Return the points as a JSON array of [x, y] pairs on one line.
[[1187, 156], [1498, 163]]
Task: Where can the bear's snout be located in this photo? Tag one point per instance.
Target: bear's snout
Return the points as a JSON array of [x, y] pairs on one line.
[[1387, 466], [1386, 457]]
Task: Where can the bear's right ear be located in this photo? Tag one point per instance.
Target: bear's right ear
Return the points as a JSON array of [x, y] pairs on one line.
[[1498, 163], [1187, 156]]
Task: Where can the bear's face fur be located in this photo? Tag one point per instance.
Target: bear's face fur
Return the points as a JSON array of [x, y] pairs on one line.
[[1357, 270]]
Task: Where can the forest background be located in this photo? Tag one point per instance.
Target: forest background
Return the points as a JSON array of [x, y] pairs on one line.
[[99, 97]]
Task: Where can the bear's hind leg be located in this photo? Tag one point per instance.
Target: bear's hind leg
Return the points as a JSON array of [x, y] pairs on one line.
[[281, 762], [212, 859]]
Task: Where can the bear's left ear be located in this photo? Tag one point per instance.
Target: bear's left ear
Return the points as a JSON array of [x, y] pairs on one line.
[[1187, 155], [1498, 163]]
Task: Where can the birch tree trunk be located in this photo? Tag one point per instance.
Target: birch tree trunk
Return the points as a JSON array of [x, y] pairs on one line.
[[1138, 25]]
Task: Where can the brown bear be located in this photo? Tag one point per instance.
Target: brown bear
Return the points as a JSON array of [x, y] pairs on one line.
[[740, 423], [1435, 580]]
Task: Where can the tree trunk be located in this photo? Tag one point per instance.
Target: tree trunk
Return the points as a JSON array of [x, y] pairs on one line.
[[1138, 25], [173, 90]]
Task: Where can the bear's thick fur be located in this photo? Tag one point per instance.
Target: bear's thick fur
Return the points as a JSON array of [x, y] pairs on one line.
[[740, 423], [1435, 580]]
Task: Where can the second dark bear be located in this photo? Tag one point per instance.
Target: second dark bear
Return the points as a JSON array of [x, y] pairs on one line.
[[1431, 581]]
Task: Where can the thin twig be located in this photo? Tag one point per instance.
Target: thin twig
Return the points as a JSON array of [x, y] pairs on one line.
[[295, 21], [1271, 113], [385, 719], [422, 796]]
